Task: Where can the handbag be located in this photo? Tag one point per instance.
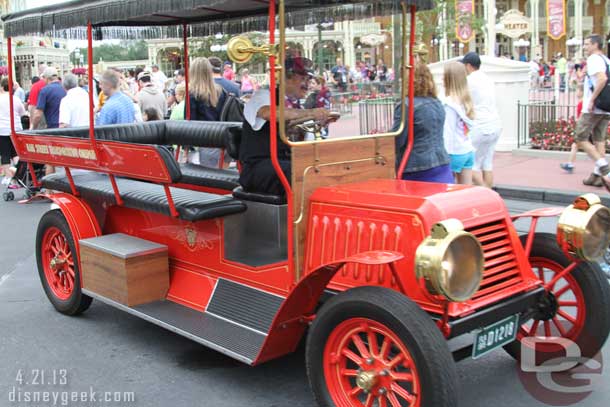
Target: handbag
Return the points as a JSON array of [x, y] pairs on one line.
[[602, 101]]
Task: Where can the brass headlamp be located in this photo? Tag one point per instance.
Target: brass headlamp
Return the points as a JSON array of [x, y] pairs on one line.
[[450, 261], [583, 230]]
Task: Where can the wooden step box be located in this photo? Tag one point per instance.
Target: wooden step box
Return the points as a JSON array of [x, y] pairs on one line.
[[123, 268]]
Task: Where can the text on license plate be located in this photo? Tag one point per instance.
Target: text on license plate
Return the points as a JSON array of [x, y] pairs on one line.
[[495, 335]]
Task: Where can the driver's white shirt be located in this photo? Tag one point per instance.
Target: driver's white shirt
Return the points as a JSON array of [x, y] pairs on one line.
[[260, 99]]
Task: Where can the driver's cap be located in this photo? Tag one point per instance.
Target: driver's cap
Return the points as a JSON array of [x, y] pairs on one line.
[[299, 66]]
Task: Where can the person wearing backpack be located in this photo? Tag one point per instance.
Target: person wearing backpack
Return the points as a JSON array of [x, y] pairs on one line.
[[594, 121], [206, 99]]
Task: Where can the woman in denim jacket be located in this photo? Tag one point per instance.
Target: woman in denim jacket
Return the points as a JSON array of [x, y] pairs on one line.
[[428, 160]]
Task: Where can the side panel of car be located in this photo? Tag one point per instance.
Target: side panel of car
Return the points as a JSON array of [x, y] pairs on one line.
[[196, 254]]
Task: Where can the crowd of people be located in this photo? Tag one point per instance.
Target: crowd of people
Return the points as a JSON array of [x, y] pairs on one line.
[[62, 100], [570, 73], [345, 77], [455, 137]]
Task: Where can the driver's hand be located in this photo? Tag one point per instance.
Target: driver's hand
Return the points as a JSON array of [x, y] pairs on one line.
[[320, 114]]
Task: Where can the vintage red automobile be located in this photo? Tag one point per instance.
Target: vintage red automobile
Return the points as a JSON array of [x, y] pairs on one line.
[[377, 273]]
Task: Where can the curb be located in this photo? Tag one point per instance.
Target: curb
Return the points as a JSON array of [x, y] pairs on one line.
[[552, 196]]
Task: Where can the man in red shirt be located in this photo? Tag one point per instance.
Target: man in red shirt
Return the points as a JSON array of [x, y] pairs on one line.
[[228, 73], [33, 98]]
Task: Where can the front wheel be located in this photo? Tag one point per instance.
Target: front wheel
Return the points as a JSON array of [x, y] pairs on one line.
[[372, 346], [58, 264], [576, 307]]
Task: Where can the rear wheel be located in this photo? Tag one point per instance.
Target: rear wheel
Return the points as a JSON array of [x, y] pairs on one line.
[[58, 264], [372, 346], [575, 307]]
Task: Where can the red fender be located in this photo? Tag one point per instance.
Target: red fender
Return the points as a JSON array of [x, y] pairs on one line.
[[295, 313], [540, 213], [78, 214], [535, 214]]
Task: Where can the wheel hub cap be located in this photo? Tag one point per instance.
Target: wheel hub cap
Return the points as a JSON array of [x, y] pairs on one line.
[[547, 308], [56, 263], [366, 380]]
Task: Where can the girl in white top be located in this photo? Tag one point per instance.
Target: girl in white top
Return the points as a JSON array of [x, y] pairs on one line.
[[459, 115]]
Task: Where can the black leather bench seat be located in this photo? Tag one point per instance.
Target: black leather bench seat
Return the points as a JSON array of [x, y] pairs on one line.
[[209, 177], [221, 135], [191, 205]]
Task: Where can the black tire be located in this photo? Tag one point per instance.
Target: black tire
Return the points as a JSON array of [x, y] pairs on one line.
[[77, 302], [5, 196], [596, 298], [10, 196], [417, 332]]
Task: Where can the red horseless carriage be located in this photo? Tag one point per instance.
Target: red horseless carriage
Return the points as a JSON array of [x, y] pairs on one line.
[[377, 272]]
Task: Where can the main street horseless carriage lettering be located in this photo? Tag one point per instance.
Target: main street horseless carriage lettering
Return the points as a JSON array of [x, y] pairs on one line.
[[377, 273]]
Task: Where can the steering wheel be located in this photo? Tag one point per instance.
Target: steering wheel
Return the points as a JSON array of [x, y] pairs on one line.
[[314, 126]]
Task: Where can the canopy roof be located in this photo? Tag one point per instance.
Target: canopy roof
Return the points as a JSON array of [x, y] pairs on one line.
[[120, 18]]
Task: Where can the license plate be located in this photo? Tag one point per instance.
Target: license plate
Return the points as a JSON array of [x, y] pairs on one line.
[[495, 335]]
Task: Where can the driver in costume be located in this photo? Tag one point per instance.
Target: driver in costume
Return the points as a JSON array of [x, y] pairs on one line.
[[257, 173]]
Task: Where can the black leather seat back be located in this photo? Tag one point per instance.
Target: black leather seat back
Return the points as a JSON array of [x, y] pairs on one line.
[[141, 133], [234, 141], [224, 135]]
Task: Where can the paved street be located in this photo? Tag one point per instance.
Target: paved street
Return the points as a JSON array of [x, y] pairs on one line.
[[107, 350]]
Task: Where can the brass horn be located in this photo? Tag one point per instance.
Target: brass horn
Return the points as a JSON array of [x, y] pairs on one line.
[[240, 49]]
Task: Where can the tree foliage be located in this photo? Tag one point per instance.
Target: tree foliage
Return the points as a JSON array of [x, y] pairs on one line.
[[431, 24], [124, 51]]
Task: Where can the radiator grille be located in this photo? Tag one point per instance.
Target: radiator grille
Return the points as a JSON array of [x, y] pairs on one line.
[[501, 268]]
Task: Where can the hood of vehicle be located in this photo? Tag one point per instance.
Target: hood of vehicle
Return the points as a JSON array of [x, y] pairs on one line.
[[432, 201]]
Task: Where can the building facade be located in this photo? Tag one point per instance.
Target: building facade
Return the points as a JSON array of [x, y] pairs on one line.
[[583, 17], [367, 40], [29, 52]]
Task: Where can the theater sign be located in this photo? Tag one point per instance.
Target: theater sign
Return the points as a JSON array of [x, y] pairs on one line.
[[514, 24]]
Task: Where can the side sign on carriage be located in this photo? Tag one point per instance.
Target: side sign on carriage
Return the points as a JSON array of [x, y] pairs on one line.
[[495, 335]]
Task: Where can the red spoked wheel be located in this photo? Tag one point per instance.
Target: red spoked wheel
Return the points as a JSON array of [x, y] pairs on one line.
[[564, 312], [576, 306], [366, 364], [373, 347], [58, 264]]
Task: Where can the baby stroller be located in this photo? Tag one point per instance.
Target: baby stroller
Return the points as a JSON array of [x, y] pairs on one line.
[[22, 179]]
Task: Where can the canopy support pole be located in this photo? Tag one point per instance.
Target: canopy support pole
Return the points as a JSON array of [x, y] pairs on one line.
[[187, 98], [411, 108], [90, 74], [273, 129]]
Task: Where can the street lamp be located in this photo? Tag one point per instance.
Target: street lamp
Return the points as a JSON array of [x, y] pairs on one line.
[[77, 56], [434, 43], [321, 25], [573, 42]]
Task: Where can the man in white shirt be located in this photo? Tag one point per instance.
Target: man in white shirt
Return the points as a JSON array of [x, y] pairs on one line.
[[594, 122], [487, 125], [74, 107], [258, 174], [158, 78]]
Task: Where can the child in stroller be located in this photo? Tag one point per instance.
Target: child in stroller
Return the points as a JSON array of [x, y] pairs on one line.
[[20, 175], [21, 179]]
